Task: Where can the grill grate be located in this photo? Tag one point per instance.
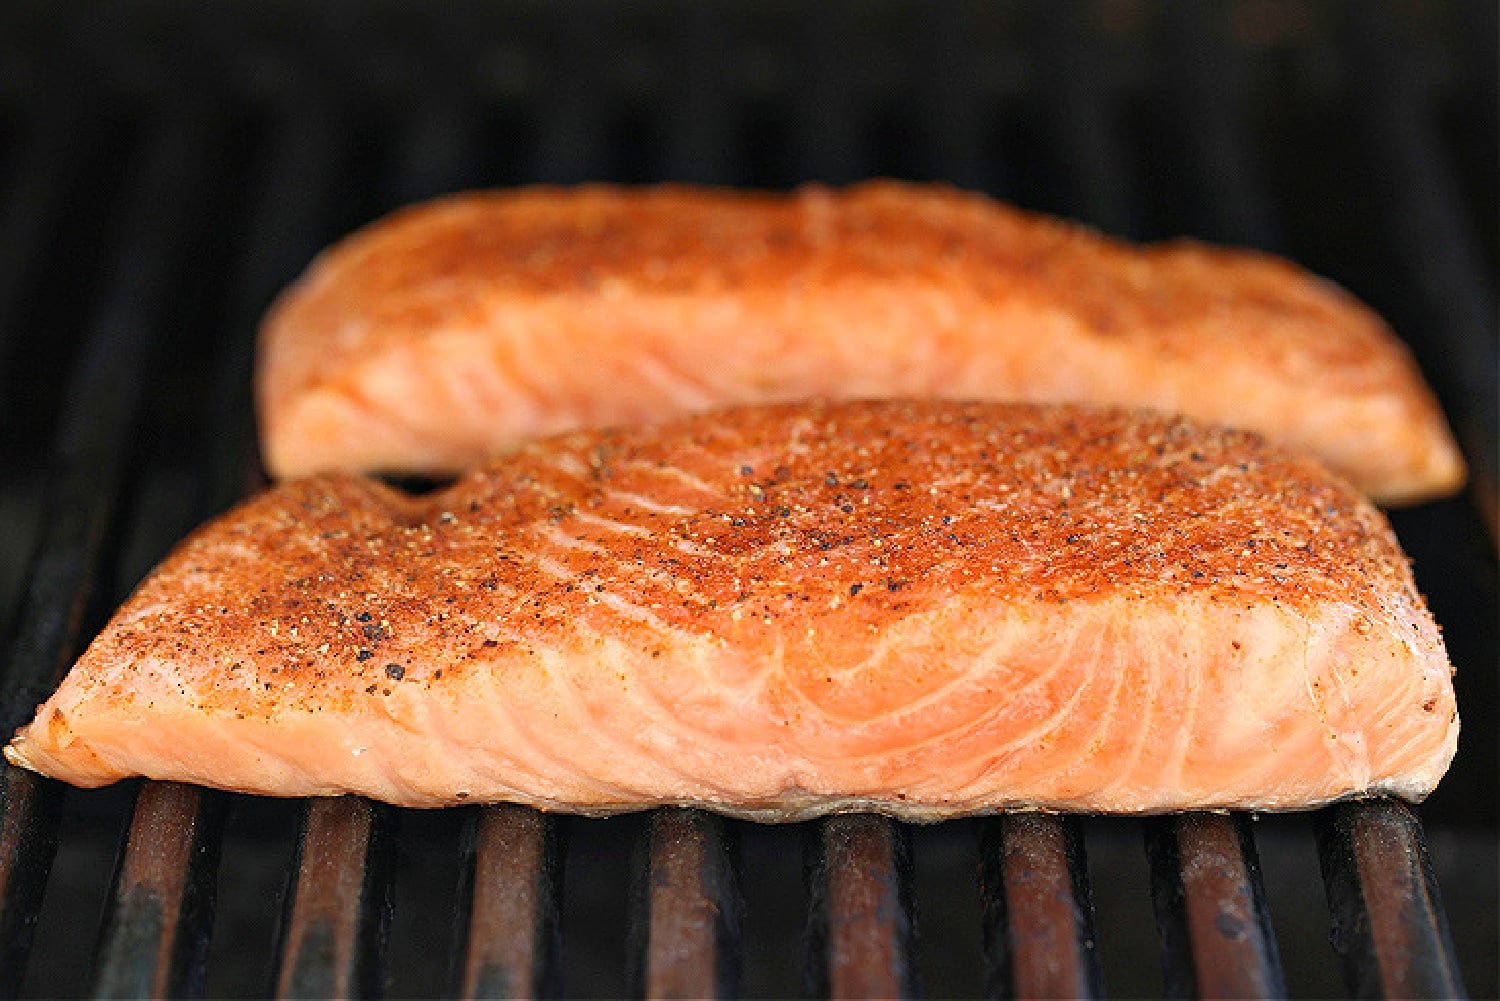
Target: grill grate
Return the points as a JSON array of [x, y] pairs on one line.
[[1039, 935], [510, 945], [1026, 101]]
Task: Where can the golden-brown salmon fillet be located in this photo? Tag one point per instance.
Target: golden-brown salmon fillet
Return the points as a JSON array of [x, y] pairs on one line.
[[435, 337], [922, 608]]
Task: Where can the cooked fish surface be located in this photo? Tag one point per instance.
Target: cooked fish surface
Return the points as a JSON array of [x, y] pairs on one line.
[[430, 340], [926, 609]]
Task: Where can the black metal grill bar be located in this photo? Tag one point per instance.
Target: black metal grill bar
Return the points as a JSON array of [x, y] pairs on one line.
[[1434, 239], [699, 144], [1420, 963], [1204, 87], [1389, 927], [509, 905], [691, 902], [826, 120], [1203, 868], [573, 139], [159, 915], [285, 231], [1210, 908], [861, 925], [28, 842], [155, 941], [98, 417], [1038, 914], [953, 124], [334, 940], [35, 180], [1083, 124]]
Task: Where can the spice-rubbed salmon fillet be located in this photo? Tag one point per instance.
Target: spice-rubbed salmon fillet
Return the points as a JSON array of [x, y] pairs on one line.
[[926, 609], [429, 340]]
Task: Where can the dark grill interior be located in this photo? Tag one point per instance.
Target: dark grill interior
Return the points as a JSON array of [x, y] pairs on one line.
[[165, 167]]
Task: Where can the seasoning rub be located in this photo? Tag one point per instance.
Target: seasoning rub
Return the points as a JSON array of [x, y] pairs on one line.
[[427, 341], [920, 608]]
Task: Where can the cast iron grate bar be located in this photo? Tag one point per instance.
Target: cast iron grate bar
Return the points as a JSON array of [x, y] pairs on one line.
[[34, 185], [1389, 927], [950, 103], [826, 143], [1210, 908], [1203, 867], [28, 842], [862, 926], [168, 870], [699, 145], [85, 480], [334, 941], [1038, 912], [1206, 86], [508, 908], [1433, 236], [1416, 956], [1083, 122], [288, 222], [572, 143], [691, 904], [156, 933]]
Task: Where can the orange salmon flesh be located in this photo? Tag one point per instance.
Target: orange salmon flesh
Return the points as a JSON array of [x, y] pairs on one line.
[[926, 609], [449, 331]]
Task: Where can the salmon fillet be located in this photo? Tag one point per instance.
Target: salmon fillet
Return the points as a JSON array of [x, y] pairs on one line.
[[926, 609], [433, 338]]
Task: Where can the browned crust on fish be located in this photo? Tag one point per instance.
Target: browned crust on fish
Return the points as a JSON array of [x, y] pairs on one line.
[[792, 539], [881, 289]]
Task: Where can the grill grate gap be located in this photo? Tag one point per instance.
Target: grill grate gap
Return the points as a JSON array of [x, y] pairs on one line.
[[599, 883], [432, 855]]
